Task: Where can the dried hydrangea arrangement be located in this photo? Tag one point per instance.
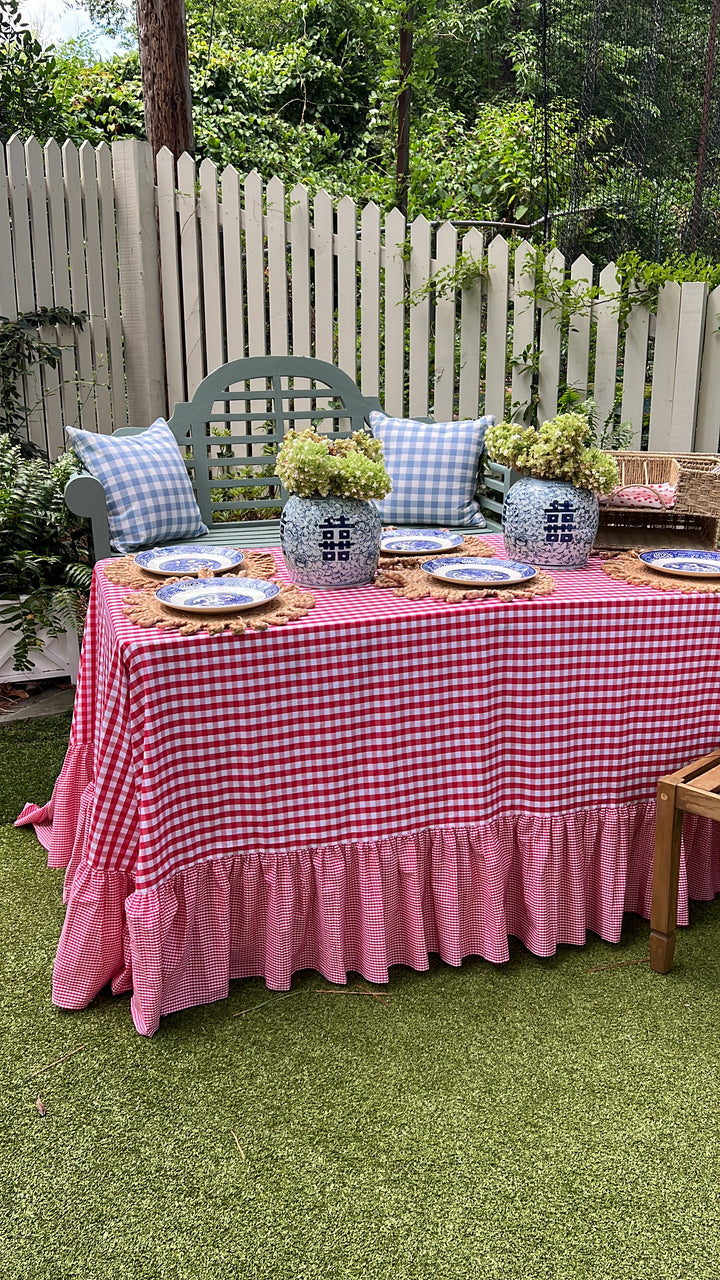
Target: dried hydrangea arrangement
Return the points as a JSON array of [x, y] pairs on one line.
[[561, 449], [309, 464]]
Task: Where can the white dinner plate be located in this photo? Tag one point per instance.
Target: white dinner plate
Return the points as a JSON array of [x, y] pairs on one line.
[[413, 542], [684, 564], [171, 561], [217, 595], [472, 571]]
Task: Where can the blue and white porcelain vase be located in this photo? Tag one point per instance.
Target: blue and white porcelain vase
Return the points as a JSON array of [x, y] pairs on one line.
[[330, 542], [549, 523]]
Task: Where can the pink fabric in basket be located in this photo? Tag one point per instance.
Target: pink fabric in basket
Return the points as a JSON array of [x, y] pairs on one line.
[[660, 496]]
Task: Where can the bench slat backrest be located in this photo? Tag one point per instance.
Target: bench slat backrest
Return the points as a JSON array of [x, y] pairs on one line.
[[232, 428]]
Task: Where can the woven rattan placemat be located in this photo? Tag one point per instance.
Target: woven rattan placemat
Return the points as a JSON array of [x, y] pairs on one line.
[[471, 546], [145, 610], [628, 568], [413, 583], [126, 573]]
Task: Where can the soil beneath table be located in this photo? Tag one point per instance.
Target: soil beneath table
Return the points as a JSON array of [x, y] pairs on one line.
[[13, 696]]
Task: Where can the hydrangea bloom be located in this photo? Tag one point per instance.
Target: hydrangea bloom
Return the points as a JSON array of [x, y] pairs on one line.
[[309, 464], [561, 449]]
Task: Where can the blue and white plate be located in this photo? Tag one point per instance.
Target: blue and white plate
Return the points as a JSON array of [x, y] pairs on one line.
[[217, 595], [410, 542], [171, 561], [685, 564], [471, 571]]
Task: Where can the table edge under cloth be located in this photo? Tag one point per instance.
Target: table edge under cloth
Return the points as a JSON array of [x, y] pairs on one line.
[[458, 889]]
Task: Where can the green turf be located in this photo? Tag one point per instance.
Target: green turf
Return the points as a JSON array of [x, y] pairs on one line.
[[31, 756], [545, 1118]]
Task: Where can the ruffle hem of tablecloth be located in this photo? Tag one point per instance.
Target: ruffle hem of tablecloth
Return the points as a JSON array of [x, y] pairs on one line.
[[362, 906]]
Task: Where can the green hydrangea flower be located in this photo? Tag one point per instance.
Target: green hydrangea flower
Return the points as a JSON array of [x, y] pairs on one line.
[[560, 449], [309, 464]]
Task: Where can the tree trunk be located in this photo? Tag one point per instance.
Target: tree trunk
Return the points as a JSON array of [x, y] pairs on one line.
[[162, 41]]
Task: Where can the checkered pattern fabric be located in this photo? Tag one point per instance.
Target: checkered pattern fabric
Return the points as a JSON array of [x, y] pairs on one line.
[[434, 470], [379, 780], [149, 496]]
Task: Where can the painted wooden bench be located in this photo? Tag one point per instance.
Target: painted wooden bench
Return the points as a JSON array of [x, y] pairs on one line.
[[229, 434]]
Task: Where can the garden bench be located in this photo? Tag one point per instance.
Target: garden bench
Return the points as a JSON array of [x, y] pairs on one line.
[[229, 434]]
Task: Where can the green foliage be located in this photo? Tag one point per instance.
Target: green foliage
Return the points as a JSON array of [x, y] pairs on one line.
[[27, 74], [44, 552], [560, 449], [309, 464], [241, 492], [640, 281], [103, 100], [21, 347]]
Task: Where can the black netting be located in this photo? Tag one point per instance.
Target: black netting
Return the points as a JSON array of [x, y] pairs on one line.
[[638, 81]]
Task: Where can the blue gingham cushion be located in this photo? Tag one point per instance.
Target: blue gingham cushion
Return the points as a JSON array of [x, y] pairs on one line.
[[149, 495], [434, 470]]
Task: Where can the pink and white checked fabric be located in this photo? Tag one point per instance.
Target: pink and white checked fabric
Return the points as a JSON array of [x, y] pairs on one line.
[[379, 780]]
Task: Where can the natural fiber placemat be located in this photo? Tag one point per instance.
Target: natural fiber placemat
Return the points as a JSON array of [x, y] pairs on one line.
[[472, 546], [414, 584], [126, 573], [628, 568], [145, 610]]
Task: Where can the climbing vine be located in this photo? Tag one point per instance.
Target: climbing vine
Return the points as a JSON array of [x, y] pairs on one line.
[[22, 347]]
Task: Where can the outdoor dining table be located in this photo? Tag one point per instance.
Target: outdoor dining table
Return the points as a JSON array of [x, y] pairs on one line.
[[377, 781]]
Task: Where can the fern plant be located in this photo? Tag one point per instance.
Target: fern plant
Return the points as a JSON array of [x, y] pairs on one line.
[[45, 563]]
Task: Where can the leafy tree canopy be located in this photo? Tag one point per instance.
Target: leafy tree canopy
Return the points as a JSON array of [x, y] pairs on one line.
[[28, 103]]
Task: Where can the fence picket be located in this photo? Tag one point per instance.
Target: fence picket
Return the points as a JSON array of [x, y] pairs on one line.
[[578, 359], [8, 300], [471, 330], [634, 362], [324, 277], [173, 327], [693, 298], [79, 283], [347, 285], [51, 409], [232, 260], [24, 282], [550, 342], [138, 262], [606, 345], [277, 268], [96, 298], [420, 234], [255, 264], [209, 210], [707, 430], [111, 286], [370, 300], [497, 316], [300, 269], [445, 309], [664, 356], [524, 311], [190, 272], [61, 278], [394, 382]]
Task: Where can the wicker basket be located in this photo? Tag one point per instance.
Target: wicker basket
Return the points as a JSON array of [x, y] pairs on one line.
[[693, 521]]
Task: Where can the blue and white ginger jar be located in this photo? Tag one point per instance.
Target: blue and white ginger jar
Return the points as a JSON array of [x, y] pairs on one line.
[[330, 542], [549, 523]]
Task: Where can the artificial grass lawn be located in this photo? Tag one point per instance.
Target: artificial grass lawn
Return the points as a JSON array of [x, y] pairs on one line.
[[546, 1118]]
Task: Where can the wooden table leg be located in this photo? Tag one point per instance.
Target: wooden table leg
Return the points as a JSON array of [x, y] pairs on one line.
[[666, 875]]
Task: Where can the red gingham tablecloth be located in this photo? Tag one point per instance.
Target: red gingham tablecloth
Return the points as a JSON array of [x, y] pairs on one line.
[[379, 780]]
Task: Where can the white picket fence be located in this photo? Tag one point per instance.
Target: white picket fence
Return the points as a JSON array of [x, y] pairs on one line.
[[186, 268]]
